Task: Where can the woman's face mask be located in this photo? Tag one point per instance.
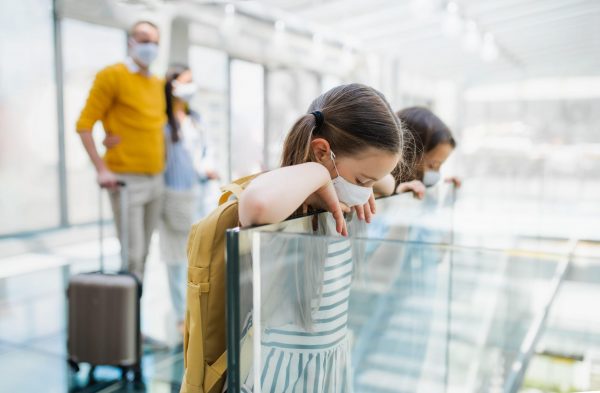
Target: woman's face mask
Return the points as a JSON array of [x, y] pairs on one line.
[[349, 193], [184, 91]]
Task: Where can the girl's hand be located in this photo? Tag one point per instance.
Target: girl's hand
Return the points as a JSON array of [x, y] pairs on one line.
[[328, 199], [455, 180], [111, 141], [366, 211], [415, 186]]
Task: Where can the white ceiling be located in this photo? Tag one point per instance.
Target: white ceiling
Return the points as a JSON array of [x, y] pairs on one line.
[[536, 38]]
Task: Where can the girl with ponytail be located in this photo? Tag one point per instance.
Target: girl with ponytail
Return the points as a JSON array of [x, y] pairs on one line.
[[332, 156]]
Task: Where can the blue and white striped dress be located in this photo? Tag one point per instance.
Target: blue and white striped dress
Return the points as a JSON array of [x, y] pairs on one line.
[[297, 360]]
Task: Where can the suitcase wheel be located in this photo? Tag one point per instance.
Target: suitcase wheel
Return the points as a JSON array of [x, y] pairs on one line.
[[73, 364]]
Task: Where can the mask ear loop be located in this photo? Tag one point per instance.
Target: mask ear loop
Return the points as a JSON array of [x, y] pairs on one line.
[[332, 154]]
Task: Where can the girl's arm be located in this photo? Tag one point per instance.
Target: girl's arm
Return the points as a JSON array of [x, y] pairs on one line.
[[274, 196]]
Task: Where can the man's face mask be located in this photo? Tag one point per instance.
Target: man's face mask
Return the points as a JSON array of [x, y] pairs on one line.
[[145, 52], [349, 193]]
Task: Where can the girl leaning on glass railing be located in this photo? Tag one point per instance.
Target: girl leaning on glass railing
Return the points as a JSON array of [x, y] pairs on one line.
[[429, 144], [332, 156]]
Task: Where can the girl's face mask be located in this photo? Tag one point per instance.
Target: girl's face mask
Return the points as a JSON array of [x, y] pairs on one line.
[[347, 192], [430, 178]]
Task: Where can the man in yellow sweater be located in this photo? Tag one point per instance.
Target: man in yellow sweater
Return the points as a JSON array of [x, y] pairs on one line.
[[130, 103]]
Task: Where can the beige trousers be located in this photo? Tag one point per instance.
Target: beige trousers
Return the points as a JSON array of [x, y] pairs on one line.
[[144, 198]]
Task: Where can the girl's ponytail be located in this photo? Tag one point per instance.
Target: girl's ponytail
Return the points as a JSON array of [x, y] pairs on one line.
[[296, 148], [351, 118]]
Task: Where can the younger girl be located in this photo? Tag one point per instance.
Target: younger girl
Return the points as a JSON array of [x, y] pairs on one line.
[[348, 140], [432, 143]]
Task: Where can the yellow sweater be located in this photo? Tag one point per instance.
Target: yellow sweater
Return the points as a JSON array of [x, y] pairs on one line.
[[131, 106]]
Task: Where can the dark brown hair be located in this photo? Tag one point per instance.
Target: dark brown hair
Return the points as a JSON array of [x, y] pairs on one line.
[[425, 131], [355, 117], [173, 73]]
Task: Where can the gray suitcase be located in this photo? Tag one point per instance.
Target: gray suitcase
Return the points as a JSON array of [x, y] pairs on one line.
[[104, 313]]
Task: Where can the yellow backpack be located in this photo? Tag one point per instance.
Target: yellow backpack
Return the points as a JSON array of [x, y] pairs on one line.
[[204, 340]]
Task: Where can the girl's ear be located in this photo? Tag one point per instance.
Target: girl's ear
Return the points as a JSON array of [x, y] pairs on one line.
[[321, 150]]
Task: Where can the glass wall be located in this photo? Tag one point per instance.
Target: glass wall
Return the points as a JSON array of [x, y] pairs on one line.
[[247, 118], [28, 128], [87, 48]]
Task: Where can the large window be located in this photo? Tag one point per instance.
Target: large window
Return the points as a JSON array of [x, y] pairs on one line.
[[28, 129], [87, 48], [290, 92], [209, 69], [247, 118]]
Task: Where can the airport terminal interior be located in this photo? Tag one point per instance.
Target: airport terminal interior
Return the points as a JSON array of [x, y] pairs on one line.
[[482, 275]]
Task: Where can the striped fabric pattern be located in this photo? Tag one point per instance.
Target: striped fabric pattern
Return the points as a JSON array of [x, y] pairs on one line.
[[299, 361]]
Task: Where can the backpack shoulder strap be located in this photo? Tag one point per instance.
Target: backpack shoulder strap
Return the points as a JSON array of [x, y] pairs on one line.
[[218, 368], [235, 188]]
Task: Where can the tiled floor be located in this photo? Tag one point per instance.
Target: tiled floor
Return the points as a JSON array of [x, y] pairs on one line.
[[33, 324]]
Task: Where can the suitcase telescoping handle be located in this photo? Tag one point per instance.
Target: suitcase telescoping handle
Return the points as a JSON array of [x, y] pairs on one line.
[[124, 224]]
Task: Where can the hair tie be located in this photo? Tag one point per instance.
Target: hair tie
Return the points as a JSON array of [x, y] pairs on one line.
[[319, 118]]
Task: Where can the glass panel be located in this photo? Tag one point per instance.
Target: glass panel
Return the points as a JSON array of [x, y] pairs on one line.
[[411, 310], [28, 129], [345, 312], [247, 118], [568, 351], [81, 62], [403, 217], [209, 67], [495, 299]]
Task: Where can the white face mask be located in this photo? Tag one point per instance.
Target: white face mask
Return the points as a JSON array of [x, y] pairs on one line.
[[349, 193], [430, 178], [184, 91], [145, 53]]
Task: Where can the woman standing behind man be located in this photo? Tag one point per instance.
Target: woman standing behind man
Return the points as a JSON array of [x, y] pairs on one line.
[[187, 167]]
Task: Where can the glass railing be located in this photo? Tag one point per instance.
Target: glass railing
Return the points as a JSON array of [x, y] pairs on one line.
[[324, 313], [395, 307]]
